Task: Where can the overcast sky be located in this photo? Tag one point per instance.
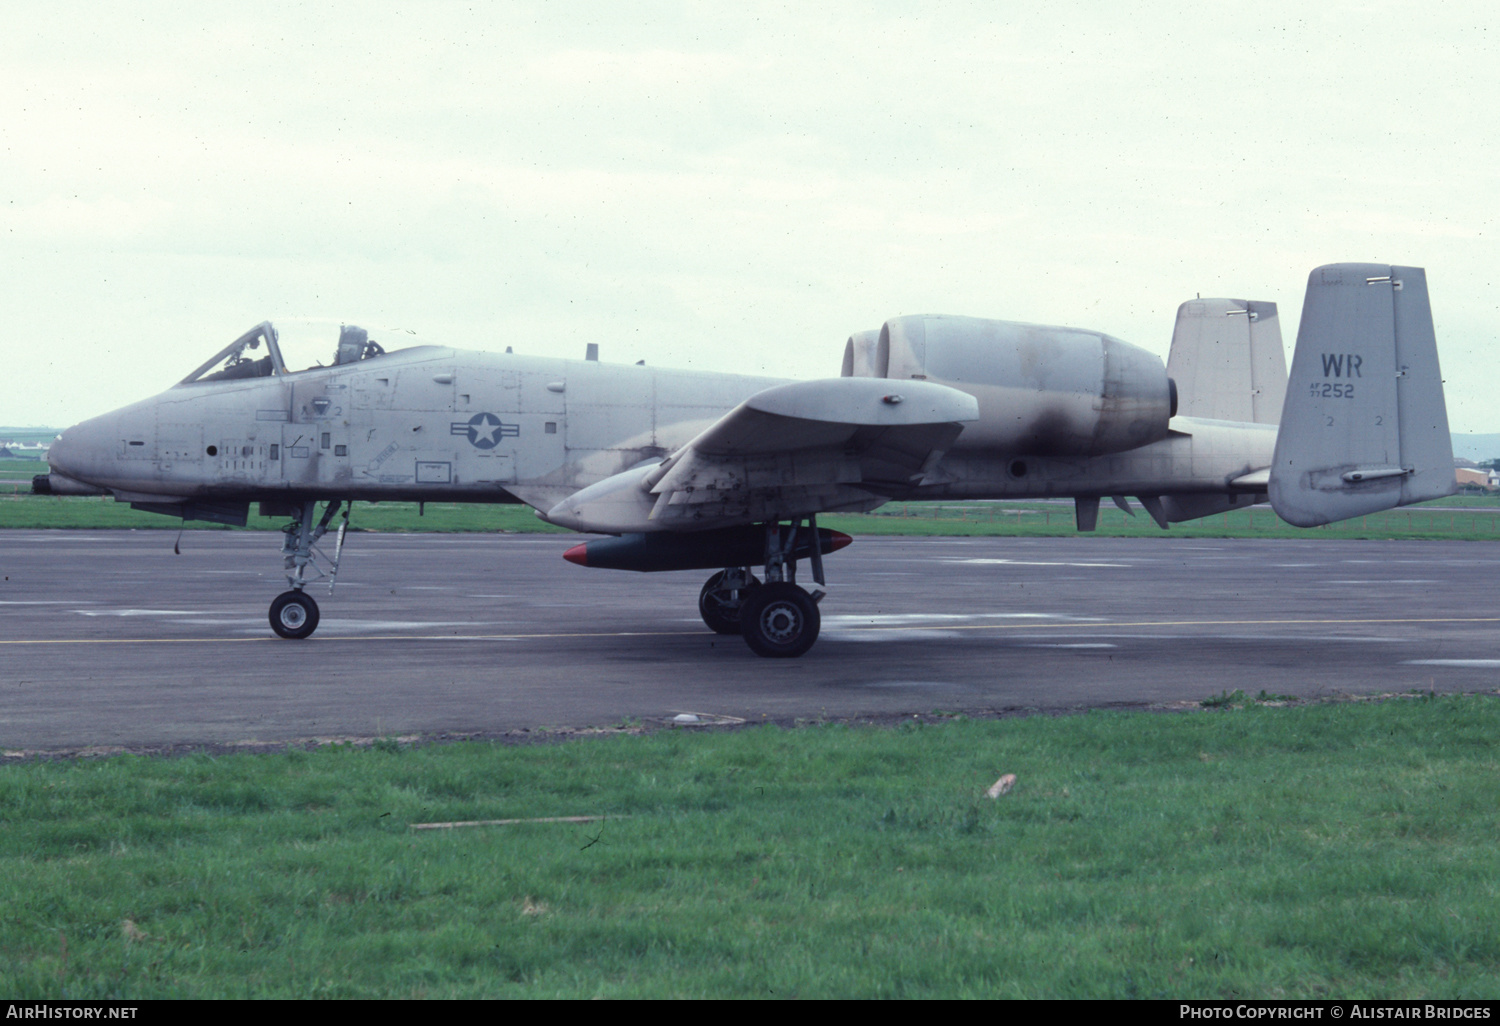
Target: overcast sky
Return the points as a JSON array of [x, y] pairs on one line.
[[732, 187]]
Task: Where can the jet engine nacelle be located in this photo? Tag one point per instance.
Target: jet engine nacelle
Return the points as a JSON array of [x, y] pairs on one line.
[[1042, 390]]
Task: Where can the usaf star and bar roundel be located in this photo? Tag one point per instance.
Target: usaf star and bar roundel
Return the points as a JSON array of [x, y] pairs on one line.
[[484, 430]]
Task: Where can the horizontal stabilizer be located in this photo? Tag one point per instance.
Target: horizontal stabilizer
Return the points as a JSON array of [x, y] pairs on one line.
[[1197, 505], [1364, 427]]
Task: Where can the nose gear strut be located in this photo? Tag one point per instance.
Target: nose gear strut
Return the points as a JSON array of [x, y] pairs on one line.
[[294, 614]]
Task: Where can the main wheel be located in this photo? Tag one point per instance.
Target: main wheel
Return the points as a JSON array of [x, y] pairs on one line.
[[294, 615], [720, 606], [779, 620]]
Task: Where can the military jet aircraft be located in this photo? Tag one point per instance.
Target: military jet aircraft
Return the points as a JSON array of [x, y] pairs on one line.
[[686, 470]]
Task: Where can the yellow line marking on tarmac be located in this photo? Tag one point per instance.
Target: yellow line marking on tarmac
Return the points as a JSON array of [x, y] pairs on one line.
[[349, 637], [1090, 625]]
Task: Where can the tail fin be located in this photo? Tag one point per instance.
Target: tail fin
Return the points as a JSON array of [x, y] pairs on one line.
[[1227, 360], [1364, 427]]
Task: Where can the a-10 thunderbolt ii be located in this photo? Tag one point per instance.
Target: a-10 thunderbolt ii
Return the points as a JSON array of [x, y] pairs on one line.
[[688, 470]]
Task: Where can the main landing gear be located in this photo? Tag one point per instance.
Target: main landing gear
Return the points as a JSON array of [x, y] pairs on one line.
[[294, 614], [777, 619], [722, 597]]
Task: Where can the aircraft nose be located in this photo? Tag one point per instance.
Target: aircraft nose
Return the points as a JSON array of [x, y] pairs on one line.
[[77, 451], [62, 455]]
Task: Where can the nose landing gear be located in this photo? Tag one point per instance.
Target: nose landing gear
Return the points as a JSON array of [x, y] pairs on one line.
[[294, 614]]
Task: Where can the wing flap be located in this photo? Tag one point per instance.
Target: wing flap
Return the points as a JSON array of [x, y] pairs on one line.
[[841, 431], [831, 411]]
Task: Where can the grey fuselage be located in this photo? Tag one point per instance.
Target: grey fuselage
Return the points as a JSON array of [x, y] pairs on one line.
[[438, 424]]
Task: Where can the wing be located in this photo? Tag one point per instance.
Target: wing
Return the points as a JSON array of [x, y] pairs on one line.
[[791, 450]]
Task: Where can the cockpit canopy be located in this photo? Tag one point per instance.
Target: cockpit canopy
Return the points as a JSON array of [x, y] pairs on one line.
[[299, 345]]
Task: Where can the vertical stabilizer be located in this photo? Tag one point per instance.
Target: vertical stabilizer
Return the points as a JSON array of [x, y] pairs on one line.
[[1228, 361], [1365, 426]]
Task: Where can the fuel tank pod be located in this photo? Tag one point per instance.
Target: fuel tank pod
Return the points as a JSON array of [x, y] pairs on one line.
[[695, 550]]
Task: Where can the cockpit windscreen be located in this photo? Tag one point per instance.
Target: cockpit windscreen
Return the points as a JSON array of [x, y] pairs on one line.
[[295, 345]]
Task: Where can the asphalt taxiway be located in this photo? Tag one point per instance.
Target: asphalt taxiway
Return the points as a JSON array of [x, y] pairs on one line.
[[109, 639]]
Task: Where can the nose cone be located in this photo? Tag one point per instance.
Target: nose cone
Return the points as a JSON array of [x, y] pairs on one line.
[[62, 455], [84, 455], [78, 451], [65, 457]]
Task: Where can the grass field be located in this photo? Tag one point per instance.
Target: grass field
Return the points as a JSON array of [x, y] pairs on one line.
[[1458, 517], [1453, 518], [42, 511], [15, 475], [1332, 850]]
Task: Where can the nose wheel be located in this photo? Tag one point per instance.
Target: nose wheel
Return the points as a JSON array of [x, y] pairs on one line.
[[294, 615]]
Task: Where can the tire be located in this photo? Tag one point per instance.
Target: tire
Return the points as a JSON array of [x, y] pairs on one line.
[[779, 621], [294, 615], [719, 607]]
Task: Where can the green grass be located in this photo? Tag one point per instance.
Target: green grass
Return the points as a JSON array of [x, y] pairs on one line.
[[44, 511], [1458, 517], [16, 475], [1299, 851]]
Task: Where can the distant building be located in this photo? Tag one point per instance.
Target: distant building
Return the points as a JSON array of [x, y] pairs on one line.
[[1481, 478]]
